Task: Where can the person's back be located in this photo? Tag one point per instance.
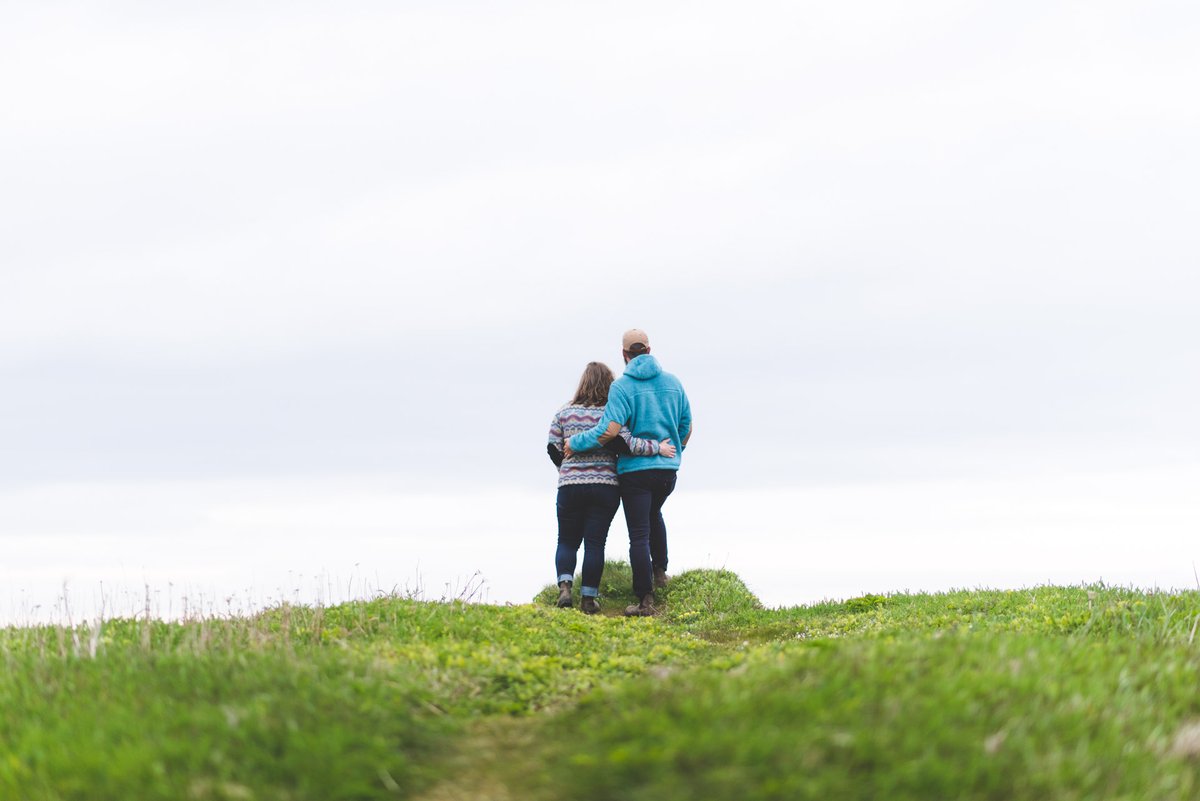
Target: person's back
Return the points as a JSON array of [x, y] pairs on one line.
[[593, 467], [651, 400]]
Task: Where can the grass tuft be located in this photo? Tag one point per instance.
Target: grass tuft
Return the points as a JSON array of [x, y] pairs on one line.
[[712, 596]]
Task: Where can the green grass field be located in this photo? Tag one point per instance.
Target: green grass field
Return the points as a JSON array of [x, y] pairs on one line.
[[1043, 693]]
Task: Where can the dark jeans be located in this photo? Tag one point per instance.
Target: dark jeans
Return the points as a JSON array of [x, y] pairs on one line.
[[643, 494], [585, 512]]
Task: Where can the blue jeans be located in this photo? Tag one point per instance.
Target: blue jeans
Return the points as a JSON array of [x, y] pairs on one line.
[[585, 511], [643, 494]]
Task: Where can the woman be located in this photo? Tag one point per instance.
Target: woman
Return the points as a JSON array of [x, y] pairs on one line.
[[588, 494]]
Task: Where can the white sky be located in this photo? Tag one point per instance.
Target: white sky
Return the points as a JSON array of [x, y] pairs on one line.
[[291, 258]]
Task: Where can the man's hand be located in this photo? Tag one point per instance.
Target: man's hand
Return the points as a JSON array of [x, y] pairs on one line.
[[665, 448], [567, 452]]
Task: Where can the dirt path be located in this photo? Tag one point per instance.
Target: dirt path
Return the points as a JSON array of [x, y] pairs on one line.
[[485, 756]]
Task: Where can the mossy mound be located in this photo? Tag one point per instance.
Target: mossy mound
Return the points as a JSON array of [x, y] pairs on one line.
[[707, 594], [691, 595]]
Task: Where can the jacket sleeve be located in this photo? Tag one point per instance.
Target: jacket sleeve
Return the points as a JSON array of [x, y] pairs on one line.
[[615, 411], [685, 420]]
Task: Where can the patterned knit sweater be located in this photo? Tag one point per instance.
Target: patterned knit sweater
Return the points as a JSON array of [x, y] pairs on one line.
[[593, 467]]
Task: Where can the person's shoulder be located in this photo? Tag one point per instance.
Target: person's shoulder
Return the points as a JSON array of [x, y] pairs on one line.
[[579, 411], [569, 409], [670, 379]]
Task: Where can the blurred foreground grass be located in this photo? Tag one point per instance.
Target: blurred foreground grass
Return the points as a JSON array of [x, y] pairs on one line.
[[1051, 692]]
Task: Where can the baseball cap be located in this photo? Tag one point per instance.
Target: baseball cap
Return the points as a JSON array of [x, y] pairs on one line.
[[634, 336]]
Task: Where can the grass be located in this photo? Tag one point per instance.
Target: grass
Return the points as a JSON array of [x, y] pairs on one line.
[[1050, 692]]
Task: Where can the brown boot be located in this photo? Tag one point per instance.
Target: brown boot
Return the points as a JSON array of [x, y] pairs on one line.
[[564, 595], [589, 605], [644, 609], [660, 579]]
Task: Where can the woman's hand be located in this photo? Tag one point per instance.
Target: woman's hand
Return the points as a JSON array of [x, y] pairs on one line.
[[665, 448]]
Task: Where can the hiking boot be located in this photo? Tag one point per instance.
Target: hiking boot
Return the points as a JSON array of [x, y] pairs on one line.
[[645, 609], [564, 595], [660, 579], [589, 605]]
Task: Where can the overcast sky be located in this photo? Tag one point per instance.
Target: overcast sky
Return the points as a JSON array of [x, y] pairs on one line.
[[263, 254]]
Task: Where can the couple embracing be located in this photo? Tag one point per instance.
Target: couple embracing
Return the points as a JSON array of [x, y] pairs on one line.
[[615, 445]]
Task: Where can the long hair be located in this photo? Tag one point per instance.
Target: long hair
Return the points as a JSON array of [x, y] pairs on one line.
[[593, 385]]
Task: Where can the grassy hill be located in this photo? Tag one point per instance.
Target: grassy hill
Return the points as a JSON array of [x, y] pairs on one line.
[[1050, 692]]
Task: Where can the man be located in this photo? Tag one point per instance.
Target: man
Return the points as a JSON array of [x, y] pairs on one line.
[[654, 406]]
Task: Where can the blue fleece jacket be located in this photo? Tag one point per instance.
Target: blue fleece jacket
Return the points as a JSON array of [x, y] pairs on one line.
[[653, 405]]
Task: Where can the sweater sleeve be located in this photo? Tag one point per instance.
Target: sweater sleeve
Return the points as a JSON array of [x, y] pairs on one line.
[[554, 442], [615, 411], [638, 446]]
